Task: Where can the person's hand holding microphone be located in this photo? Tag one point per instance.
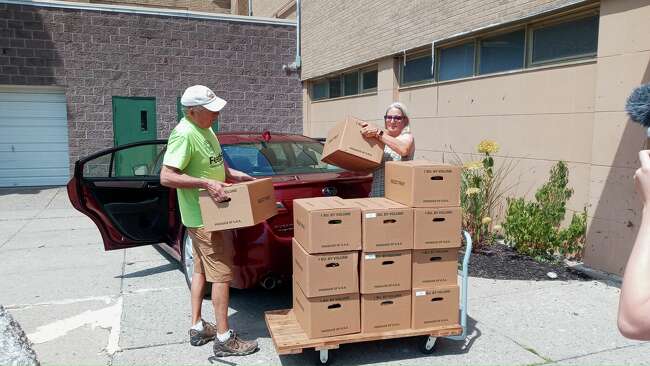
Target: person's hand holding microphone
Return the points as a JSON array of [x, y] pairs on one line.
[[642, 178]]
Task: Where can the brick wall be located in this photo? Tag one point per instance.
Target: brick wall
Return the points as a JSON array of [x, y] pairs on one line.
[[213, 6], [339, 34], [96, 55]]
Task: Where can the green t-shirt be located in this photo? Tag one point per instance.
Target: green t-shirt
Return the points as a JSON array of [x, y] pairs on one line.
[[196, 152]]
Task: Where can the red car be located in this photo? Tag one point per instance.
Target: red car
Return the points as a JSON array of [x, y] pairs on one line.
[[120, 190]]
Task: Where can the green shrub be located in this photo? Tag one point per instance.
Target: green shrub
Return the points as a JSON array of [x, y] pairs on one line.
[[534, 227]]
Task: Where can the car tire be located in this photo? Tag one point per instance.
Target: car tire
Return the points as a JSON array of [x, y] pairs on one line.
[[187, 258]]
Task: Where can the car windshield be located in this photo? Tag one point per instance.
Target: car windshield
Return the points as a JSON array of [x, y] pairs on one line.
[[277, 158]]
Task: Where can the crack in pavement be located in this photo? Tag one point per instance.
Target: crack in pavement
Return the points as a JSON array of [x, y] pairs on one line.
[[603, 351], [151, 346], [111, 356], [29, 220], [52, 246], [523, 346]]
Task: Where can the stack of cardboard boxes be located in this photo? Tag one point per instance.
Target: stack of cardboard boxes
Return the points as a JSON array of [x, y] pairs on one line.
[[327, 237], [380, 264], [433, 193]]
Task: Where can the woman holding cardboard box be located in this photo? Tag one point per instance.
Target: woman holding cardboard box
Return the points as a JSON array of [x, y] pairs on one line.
[[398, 142]]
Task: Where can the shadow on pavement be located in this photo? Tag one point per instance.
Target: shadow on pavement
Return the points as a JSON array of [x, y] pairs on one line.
[[25, 190], [247, 319], [391, 350], [151, 271]]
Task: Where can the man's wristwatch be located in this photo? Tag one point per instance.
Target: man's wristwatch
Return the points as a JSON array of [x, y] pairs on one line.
[[381, 133]]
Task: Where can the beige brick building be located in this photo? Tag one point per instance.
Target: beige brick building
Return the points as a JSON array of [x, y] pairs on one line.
[[284, 9], [546, 79]]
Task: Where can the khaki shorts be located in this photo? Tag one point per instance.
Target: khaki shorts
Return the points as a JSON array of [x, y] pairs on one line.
[[210, 255]]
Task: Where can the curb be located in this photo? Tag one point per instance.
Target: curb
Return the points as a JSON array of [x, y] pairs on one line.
[[608, 278]]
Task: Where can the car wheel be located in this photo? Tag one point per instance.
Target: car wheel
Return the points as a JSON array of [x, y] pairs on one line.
[[188, 259], [188, 264]]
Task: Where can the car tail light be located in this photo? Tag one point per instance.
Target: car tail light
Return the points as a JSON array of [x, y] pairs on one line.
[[281, 208]]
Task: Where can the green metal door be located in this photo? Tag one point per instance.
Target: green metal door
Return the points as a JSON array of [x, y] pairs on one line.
[[134, 119]]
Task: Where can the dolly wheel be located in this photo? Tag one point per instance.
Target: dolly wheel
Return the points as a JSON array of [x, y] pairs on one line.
[[428, 345], [323, 357]]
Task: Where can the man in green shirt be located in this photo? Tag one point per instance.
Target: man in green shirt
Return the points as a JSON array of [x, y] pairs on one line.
[[194, 161]]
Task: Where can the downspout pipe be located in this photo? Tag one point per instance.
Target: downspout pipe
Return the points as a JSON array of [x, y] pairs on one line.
[[295, 65], [250, 8]]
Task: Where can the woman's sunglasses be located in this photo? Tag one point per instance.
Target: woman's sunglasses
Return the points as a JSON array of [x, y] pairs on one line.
[[394, 118]]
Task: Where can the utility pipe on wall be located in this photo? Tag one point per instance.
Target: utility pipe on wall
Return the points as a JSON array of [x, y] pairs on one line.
[[295, 65]]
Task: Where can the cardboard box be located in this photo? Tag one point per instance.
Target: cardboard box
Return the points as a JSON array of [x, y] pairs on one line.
[[420, 183], [437, 227], [435, 267], [346, 148], [435, 307], [325, 274], [385, 312], [326, 224], [385, 225], [250, 203], [327, 316], [385, 272]]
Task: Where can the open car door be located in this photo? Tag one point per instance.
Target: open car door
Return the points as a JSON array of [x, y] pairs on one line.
[[120, 190]]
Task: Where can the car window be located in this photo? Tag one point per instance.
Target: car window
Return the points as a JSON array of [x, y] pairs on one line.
[[277, 158], [135, 161]]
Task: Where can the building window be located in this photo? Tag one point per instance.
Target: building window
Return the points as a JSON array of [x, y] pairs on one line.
[[565, 41], [456, 62], [320, 90], [416, 69], [335, 87], [351, 83], [369, 80], [503, 52], [347, 84], [535, 43]]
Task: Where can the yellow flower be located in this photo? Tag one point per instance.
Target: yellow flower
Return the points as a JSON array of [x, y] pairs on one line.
[[473, 165], [486, 220], [496, 227], [488, 147], [472, 190]]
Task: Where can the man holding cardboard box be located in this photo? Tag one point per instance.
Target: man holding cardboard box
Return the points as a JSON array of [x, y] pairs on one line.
[[194, 161]]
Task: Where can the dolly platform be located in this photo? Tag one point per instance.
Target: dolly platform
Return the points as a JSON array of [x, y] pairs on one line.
[[289, 338]]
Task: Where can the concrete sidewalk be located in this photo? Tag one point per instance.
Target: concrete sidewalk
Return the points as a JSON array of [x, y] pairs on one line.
[[81, 305]]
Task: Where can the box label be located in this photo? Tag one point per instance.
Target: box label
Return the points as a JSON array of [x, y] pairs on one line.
[[371, 215], [336, 214], [420, 293], [360, 151], [227, 222]]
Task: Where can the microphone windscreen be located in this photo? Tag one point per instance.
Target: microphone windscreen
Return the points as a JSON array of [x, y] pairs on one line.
[[638, 105]]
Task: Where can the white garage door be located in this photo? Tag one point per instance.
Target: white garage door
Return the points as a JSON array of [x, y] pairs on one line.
[[33, 138]]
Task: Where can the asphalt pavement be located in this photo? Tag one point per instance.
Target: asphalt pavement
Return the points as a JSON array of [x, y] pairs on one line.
[[81, 305]]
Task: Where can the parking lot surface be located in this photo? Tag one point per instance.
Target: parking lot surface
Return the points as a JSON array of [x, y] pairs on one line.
[[81, 305]]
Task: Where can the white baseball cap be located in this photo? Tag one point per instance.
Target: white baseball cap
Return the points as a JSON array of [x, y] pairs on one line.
[[203, 96]]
